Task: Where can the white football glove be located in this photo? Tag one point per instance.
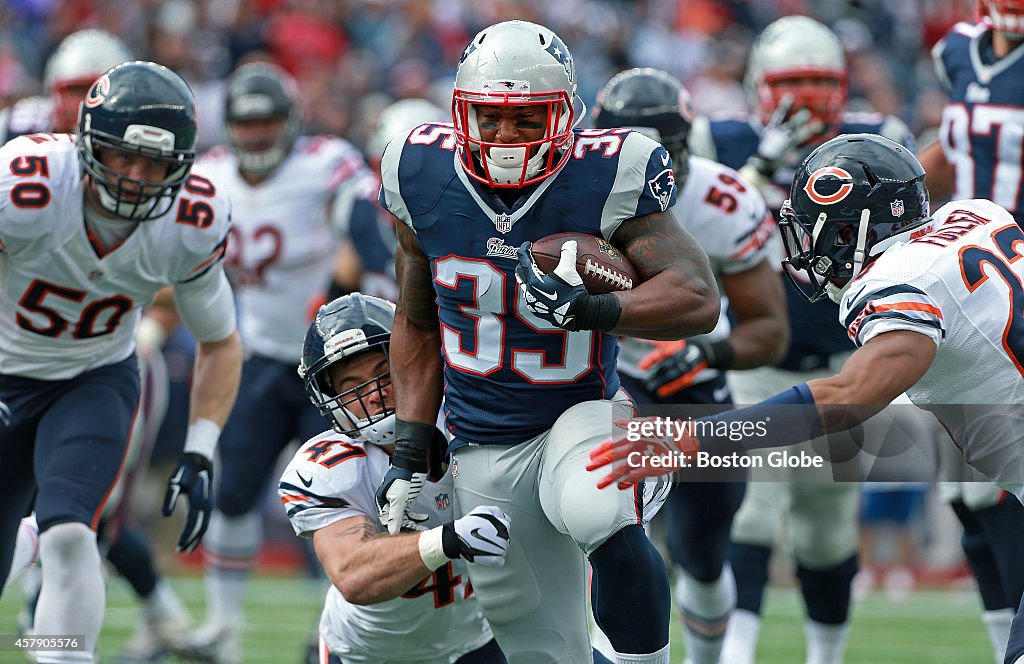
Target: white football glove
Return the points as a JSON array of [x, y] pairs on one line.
[[480, 537], [783, 134], [395, 496]]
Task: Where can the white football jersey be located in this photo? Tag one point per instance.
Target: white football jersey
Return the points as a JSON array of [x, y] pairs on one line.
[[729, 219], [64, 308], [282, 247], [959, 285], [333, 477]]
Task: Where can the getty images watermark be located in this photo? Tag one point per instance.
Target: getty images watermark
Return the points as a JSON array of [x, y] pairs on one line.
[[668, 428]]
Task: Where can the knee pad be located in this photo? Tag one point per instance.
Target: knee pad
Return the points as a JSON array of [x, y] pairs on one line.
[[69, 545], [590, 517], [757, 519], [234, 536], [824, 525]]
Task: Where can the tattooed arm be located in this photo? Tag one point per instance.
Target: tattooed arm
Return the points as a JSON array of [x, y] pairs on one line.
[[366, 565], [416, 367], [677, 296]]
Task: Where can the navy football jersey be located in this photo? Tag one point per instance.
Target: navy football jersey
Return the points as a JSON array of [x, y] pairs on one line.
[[731, 140], [509, 374], [982, 130]]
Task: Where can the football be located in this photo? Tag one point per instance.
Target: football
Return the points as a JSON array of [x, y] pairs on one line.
[[603, 267]]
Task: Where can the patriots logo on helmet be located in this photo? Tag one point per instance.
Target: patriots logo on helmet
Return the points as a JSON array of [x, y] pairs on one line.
[[662, 185], [442, 500], [468, 52], [559, 52]]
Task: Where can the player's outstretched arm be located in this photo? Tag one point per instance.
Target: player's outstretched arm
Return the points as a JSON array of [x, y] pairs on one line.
[[885, 367], [677, 296], [207, 308], [369, 566]]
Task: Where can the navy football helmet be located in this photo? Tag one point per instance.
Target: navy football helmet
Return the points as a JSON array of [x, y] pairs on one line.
[[259, 91], [852, 198], [144, 109], [349, 326], [654, 103]]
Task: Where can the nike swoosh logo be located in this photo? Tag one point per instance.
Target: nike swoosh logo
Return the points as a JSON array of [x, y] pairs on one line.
[[306, 483], [476, 533], [860, 292], [550, 296], [664, 159]]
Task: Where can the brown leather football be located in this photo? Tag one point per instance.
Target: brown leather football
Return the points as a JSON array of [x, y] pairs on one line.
[[603, 267]]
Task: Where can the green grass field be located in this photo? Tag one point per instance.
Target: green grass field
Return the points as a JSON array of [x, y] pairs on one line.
[[933, 626]]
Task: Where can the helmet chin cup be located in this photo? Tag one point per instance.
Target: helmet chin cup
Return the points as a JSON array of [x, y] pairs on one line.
[[835, 293], [506, 157]]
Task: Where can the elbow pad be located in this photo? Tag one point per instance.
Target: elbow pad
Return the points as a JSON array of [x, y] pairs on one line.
[[207, 306]]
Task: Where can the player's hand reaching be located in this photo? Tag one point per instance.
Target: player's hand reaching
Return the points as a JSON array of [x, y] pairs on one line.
[[395, 495], [672, 366], [641, 451], [193, 478], [480, 537], [786, 130], [410, 465]]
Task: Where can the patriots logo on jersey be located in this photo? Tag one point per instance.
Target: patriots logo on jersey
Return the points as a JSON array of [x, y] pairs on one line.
[[662, 185]]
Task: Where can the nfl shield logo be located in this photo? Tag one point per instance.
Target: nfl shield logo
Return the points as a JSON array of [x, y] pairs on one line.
[[442, 501], [503, 222], [897, 208]]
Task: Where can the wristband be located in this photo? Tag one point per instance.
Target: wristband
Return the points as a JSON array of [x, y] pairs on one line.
[[202, 438], [785, 419], [431, 548], [412, 445], [720, 354], [597, 312]]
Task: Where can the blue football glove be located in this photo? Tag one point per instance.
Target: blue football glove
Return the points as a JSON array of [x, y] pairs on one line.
[[560, 298], [193, 478]]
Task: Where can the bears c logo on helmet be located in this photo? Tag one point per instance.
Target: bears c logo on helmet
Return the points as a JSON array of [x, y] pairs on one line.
[[829, 185], [98, 92]]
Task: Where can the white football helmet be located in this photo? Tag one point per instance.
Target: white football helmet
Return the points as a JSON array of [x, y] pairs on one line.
[[1006, 16], [516, 63], [794, 48], [401, 116], [79, 60]]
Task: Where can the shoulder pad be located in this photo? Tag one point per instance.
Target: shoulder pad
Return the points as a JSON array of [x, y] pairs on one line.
[[333, 482], [40, 188], [415, 168], [201, 218]]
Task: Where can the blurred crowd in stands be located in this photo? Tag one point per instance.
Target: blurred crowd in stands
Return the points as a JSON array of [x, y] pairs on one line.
[[352, 57]]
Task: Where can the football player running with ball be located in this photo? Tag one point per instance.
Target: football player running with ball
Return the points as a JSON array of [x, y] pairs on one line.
[[526, 360]]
